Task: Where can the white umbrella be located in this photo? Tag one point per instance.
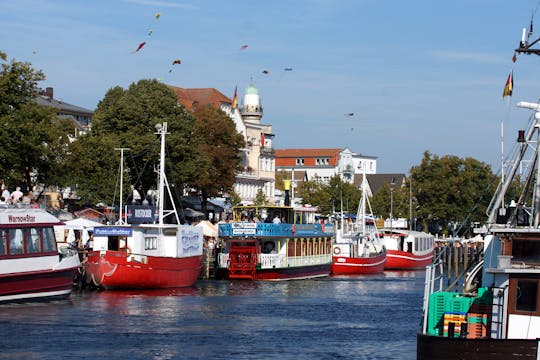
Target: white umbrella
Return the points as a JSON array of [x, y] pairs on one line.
[[81, 224]]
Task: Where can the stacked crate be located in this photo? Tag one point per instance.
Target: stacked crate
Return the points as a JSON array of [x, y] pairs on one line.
[[477, 317], [455, 314]]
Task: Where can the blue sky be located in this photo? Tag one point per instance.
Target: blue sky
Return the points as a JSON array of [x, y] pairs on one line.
[[418, 75]]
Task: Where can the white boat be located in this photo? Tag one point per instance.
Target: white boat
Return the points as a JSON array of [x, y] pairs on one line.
[[147, 255], [495, 313], [358, 249], [31, 268]]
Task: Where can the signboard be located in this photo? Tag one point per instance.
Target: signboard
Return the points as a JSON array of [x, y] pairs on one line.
[[141, 214], [112, 231], [190, 239], [244, 228]]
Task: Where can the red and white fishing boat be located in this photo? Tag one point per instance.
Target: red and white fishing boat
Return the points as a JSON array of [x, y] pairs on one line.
[[147, 256], [358, 249], [407, 249], [31, 267]]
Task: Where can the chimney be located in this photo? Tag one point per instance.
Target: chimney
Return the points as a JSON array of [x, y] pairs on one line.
[[48, 92]]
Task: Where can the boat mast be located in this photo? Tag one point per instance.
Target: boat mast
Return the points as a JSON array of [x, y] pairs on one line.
[[120, 220], [162, 131]]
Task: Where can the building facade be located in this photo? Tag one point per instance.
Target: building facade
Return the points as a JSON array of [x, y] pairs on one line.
[[258, 164]]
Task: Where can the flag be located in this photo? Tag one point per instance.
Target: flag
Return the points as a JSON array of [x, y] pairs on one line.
[[509, 86], [262, 139], [235, 98]]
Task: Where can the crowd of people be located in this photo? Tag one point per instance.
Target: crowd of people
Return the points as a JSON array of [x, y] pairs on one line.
[[15, 197]]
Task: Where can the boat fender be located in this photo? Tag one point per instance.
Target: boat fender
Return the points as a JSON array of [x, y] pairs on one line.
[[337, 251]]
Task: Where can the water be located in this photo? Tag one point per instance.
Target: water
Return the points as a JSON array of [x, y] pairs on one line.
[[363, 317]]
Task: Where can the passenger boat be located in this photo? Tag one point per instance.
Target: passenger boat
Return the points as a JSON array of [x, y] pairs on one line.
[[407, 249], [31, 267], [495, 313], [147, 255], [358, 249], [257, 247]]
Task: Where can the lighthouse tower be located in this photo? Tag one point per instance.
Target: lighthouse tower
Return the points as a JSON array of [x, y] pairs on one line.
[[252, 110]]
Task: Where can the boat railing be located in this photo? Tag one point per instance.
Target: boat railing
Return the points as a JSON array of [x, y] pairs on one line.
[[269, 261], [247, 229]]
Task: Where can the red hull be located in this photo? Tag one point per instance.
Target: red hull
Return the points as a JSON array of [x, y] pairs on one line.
[[402, 260], [36, 285], [349, 265], [112, 270]]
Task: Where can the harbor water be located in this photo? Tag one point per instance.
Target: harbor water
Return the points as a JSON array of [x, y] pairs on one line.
[[362, 317]]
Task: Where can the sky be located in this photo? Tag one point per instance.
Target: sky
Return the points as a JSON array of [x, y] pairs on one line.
[[418, 75]]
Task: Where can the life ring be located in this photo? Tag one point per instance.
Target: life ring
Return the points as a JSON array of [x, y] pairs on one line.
[[293, 228], [337, 251]]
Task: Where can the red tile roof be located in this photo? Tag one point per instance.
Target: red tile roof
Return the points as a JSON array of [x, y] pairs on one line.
[[203, 96], [287, 157]]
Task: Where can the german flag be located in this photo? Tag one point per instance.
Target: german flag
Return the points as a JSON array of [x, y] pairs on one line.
[[235, 98], [509, 86]]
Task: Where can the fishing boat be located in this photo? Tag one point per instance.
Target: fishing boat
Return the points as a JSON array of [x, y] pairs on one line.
[[357, 249], [407, 249], [31, 267], [494, 313], [150, 255], [275, 243]]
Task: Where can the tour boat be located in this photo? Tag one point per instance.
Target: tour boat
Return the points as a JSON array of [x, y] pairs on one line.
[[495, 312], [258, 246], [357, 249], [31, 268], [151, 255], [407, 249]]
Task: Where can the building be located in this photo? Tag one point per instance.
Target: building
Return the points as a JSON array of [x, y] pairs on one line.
[[258, 164], [323, 164], [81, 117]]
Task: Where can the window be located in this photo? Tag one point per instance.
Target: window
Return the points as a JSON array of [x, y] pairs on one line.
[[299, 161], [15, 241], [527, 251], [3, 243], [150, 243], [527, 293], [33, 242], [523, 296], [49, 243]]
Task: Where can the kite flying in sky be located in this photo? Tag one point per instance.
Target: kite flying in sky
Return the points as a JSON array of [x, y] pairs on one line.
[[288, 69], [140, 46], [243, 47], [265, 72], [158, 15]]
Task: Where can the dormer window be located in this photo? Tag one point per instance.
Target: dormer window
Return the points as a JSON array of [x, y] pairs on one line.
[[300, 161]]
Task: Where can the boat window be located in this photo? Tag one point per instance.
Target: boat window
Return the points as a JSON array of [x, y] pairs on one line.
[[33, 243], [150, 243], [527, 294], [49, 243], [526, 251], [15, 241], [3, 242]]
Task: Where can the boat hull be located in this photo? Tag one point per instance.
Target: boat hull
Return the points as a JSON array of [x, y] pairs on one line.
[[41, 285], [402, 260], [361, 265], [293, 273], [119, 270], [442, 348]]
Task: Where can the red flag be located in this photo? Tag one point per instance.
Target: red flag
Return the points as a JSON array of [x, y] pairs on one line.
[[262, 139], [509, 86]]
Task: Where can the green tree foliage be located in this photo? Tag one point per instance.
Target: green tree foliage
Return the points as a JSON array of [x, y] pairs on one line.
[[392, 200], [34, 140], [126, 118], [329, 197], [260, 199], [449, 188], [219, 145]]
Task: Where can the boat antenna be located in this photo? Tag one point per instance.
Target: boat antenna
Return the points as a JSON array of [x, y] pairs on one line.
[[162, 131]]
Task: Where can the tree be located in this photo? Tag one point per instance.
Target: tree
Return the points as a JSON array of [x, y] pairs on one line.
[[34, 139], [128, 119], [451, 189], [260, 199], [391, 200], [219, 146], [329, 197]]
